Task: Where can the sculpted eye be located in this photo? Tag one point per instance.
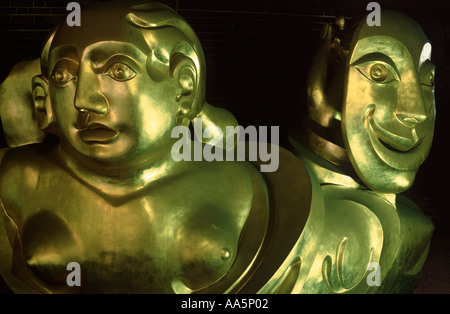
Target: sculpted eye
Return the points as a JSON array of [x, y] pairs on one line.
[[378, 72], [120, 72], [61, 76]]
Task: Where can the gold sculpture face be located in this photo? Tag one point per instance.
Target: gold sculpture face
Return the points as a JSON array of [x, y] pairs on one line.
[[113, 97], [113, 199], [108, 121], [389, 109]]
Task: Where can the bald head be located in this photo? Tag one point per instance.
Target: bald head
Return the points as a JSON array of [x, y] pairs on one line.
[[396, 25]]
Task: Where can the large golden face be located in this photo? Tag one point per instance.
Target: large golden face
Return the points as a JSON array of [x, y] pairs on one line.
[[389, 109], [106, 105]]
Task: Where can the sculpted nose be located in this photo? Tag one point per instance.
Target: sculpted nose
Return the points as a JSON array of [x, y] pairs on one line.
[[411, 119], [411, 107], [88, 96]]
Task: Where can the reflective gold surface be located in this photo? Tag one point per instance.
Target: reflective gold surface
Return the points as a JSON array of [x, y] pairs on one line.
[[362, 227], [99, 187], [16, 106], [369, 128], [107, 194], [389, 111]]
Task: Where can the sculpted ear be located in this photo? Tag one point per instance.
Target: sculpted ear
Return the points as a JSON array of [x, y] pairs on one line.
[[16, 105], [42, 103], [184, 71]]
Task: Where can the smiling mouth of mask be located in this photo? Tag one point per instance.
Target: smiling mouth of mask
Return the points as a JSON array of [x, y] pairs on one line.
[[390, 147], [97, 133]]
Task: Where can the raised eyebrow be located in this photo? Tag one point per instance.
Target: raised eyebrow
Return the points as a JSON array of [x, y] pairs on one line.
[[69, 64], [118, 57], [377, 56]]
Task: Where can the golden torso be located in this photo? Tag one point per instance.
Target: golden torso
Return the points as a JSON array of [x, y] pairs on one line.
[[182, 230]]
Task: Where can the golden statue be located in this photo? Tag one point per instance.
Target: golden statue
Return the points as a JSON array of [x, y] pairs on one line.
[[369, 126], [92, 180]]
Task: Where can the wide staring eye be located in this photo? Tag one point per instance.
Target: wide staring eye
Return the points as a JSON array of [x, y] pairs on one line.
[[61, 76], [378, 72], [120, 72]]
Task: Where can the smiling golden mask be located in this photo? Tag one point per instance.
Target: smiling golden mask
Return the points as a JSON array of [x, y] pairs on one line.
[[388, 108], [368, 128]]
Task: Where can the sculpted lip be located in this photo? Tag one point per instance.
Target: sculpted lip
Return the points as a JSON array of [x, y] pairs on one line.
[[391, 141], [407, 157], [97, 133]]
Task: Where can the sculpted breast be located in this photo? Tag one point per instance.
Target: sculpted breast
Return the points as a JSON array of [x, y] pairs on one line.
[[48, 246], [163, 241], [207, 244]]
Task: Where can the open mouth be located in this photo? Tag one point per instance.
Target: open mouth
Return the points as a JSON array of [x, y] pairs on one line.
[[97, 133]]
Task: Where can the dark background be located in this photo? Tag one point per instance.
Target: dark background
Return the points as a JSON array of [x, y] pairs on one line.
[[257, 55]]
